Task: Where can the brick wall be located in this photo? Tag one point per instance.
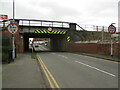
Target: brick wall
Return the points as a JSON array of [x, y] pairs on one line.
[[83, 47], [95, 48], [18, 41]]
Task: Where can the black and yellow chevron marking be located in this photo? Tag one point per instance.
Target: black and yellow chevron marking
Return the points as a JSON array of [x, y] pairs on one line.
[[50, 32], [68, 39]]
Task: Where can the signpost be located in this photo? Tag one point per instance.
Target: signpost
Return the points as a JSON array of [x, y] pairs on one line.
[[13, 29], [111, 30]]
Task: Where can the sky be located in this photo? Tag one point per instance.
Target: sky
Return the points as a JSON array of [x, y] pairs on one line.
[[87, 12]]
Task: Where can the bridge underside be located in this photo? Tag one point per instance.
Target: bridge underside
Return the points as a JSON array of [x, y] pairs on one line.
[[57, 42], [59, 33]]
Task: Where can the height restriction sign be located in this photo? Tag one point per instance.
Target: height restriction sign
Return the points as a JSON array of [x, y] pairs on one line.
[[12, 28], [112, 29]]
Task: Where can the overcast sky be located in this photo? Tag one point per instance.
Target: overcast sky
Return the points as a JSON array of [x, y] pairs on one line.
[[90, 12]]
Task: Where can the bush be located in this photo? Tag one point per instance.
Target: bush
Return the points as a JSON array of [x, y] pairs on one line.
[[6, 46], [5, 57]]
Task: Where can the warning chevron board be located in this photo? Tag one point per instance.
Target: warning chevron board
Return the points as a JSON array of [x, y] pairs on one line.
[[68, 39], [50, 32]]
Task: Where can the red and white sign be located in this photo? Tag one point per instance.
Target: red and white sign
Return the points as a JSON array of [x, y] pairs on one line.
[[50, 29], [3, 16], [12, 28], [112, 29]]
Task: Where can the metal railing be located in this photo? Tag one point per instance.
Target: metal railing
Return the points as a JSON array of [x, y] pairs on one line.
[[41, 23], [25, 22]]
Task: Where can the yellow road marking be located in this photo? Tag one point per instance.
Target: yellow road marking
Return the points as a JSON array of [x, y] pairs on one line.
[[100, 59], [51, 85], [48, 74], [51, 76]]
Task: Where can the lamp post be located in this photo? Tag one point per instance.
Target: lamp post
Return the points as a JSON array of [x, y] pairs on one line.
[[13, 39]]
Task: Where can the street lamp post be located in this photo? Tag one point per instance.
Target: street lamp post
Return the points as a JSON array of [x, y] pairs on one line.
[[13, 39]]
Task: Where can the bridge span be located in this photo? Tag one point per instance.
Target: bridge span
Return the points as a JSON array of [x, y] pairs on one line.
[[59, 33]]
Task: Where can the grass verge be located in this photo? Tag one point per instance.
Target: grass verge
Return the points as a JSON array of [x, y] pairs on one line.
[[33, 55]]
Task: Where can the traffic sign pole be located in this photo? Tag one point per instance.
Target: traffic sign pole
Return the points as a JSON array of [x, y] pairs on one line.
[[13, 29], [111, 30], [111, 50]]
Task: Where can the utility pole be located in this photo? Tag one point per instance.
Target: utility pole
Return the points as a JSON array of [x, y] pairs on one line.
[[13, 39], [13, 10], [102, 33]]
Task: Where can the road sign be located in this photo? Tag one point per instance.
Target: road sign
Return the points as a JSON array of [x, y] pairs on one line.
[[68, 39], [3, 16], [50, 29], [12, 28], [112, 29]]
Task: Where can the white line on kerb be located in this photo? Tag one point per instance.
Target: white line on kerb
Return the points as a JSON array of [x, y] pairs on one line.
[[95, 68]]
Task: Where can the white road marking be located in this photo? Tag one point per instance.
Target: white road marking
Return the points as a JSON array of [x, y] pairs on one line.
[[63, 56], [53, 53], [97, 58], [95, 68], [43, 48]]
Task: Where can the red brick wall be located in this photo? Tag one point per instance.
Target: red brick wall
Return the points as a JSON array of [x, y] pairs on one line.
[[116, 50], [83, 47], [103, 49], [18, 41], [95, 48]]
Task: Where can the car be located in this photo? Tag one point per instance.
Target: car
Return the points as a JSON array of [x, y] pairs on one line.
[[36, 46]]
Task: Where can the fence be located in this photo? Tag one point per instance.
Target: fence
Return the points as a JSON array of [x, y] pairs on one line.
[[95, 27]]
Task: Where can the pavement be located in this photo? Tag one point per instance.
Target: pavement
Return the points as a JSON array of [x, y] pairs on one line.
[[102, 56], [24, 72]]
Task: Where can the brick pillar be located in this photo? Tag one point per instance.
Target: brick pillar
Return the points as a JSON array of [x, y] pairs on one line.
[[19, 43]]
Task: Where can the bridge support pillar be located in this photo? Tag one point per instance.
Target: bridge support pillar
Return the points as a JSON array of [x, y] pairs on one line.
[[58, 44], [71, 31], [26, 43]]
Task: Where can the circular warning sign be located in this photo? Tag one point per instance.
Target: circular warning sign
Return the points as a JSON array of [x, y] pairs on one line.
[[50, 29], [112, 29], [12, 28]]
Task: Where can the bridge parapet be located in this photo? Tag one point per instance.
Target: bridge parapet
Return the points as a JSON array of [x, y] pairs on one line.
[[30, 26], [25, 22]]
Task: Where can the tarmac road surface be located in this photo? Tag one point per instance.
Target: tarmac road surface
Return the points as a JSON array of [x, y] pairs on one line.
[[78, 71]]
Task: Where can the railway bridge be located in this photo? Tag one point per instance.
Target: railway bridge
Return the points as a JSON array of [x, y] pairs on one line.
[[59, 33]]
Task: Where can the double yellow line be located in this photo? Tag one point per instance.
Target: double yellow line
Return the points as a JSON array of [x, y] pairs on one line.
[[50, 78]]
